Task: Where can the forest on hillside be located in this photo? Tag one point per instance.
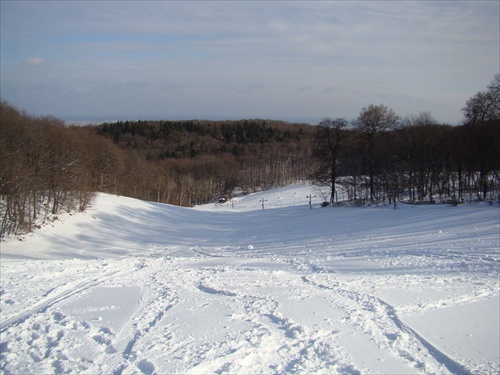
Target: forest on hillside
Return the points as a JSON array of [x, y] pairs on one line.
[[217, 156], [47, 166], [421, 162]]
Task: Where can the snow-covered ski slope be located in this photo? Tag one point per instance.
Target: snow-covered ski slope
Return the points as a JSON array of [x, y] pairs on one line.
[[138, 287]]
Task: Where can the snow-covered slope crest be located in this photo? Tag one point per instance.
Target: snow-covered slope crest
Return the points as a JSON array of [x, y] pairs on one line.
[[139, 287]]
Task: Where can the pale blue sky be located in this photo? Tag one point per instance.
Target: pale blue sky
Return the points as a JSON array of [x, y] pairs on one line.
[[294, 61]]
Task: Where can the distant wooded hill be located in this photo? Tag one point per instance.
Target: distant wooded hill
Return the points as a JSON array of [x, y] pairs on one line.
[[196, 161], [159, 140]]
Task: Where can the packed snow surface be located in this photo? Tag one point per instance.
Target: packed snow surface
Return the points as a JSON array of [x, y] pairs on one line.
[[138, 287]]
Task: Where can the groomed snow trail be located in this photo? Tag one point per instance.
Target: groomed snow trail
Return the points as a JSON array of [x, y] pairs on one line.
[[135, 287]]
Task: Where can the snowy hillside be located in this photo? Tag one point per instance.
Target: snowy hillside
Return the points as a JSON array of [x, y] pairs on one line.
[[139, 287]]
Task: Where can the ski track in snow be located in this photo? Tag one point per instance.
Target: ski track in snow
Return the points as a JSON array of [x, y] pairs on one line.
[[274, 291]]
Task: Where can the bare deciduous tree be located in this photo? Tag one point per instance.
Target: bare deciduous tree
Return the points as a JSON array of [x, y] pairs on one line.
[[483, 106], [327, 152], [372, 121]]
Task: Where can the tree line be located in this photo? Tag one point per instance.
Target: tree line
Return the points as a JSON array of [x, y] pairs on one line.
[[47, 166], [380, 156], [200, 160], [42, 170]]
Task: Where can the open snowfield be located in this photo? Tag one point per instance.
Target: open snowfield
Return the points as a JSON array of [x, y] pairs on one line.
[[138, 287]]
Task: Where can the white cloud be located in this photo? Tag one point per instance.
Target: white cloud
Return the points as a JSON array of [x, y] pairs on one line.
[[34, 61]]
